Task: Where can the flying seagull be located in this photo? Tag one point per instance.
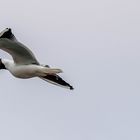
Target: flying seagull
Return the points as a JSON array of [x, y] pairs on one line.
[[24, 64]]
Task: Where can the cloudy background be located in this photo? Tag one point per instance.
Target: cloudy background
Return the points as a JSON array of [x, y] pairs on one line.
[[97, 44]]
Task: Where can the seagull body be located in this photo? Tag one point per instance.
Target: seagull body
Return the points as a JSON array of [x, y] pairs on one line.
[[25, 71], [24, 64]]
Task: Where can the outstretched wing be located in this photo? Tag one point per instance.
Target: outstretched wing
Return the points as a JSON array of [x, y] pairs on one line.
[[20, 53], [57, 80]]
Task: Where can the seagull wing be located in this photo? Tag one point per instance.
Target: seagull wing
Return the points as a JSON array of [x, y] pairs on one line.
[[7, 33], [56, 80], [19, 52]]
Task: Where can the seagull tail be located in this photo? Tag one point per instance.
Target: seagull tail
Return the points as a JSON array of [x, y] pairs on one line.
[[57, 80]]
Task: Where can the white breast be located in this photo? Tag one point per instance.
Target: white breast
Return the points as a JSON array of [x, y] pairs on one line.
[[22, 71], [25, 71]]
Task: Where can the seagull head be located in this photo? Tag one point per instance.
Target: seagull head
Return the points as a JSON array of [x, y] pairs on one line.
[[2, 66]]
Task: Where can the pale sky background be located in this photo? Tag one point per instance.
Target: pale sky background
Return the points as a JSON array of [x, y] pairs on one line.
[[97, 45]]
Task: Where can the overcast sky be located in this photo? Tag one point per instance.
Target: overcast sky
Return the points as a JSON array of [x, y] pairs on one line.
[[97, 45]]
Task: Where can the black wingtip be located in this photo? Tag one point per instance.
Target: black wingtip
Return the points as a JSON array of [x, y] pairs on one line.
[[9, 29], [7, 33], [58, 80], [71, 88]]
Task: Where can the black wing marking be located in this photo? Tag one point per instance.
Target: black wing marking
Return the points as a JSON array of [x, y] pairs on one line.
[[7, 33], [57, 80]]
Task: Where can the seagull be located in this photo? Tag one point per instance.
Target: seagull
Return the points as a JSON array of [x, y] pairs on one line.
[[24, 64]]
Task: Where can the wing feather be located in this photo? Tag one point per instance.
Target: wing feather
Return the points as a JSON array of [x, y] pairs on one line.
[[57, 80], [19, 52]]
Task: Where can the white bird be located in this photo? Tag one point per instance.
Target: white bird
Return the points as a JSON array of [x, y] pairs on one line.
[[24, 64]]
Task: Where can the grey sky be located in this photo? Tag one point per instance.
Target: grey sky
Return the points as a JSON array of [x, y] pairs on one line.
[[97, 44]]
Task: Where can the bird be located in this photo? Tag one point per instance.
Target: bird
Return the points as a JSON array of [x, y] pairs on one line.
[[24, 63]]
